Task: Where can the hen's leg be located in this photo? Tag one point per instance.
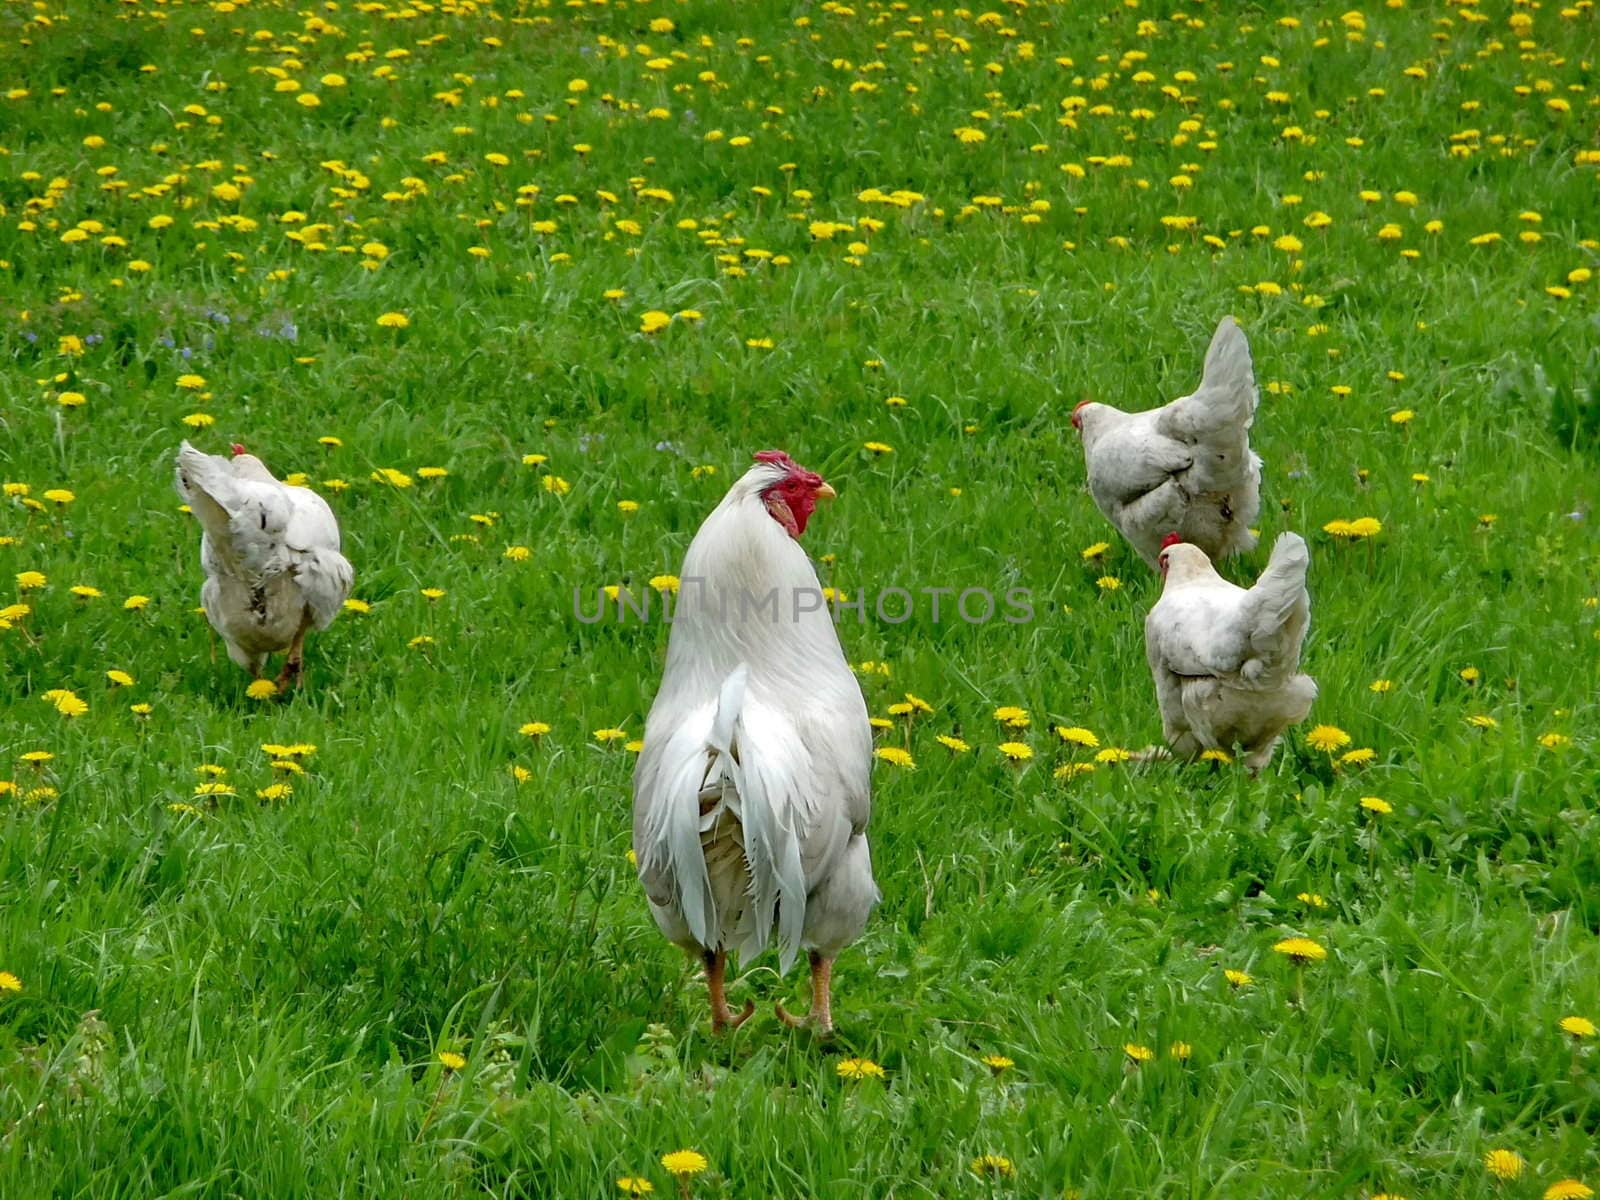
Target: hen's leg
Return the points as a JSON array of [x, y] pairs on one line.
[[821, 1014], [295, 660], [722, 1019], [1255, 762]]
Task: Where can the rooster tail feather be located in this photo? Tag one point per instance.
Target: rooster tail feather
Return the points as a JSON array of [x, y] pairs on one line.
[[686, 866], [771, 845], [730, 703]]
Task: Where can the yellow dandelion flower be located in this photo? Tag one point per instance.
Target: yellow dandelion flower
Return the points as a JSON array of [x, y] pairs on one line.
[[682, 1164], [1015, 751], [1301, 950], [1503, 1164], [1327, 738], [1577, 1027], [9, 982], [1137, 1053], [261, 689], [394, 320], [1568, 1189], [1238, 979], [896, 756], [954, 744], [1077, 736], [451, 1060], [993, 1165], [1377, 805], [858, 1068], [1073, 770], [633, 1186], [998, 1063]]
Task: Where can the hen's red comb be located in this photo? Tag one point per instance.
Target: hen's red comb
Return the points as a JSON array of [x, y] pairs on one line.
[[238, 449], [1172, 539], [1080, 404]]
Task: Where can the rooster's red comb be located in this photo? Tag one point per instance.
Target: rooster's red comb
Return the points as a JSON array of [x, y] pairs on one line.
[[778, 458], [238, 449], [1172, 539]]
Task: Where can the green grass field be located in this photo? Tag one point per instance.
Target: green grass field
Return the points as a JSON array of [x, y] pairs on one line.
[[929, 229]]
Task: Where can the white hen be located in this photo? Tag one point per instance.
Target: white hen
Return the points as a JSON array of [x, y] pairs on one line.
[[1186, 466], [752, 793], [271, 555], [1226, 661]]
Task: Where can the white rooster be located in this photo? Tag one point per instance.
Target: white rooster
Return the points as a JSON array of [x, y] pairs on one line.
[[1186, 466], [1226, 661], [271, 555], [752, 793]]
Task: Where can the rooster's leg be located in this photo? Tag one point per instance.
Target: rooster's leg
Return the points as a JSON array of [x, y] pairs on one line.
[[292, 663], [821, 1014], [722, 1019]]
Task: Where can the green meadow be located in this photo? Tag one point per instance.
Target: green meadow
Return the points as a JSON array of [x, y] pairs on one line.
[[519, 288]]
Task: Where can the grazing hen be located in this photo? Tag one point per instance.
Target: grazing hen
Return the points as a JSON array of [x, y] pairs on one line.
[[1226, 661], [751, 795], [271, 557], [1186, 466]]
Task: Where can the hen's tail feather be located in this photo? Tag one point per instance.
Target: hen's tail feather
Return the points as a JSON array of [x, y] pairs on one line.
[[1281, 586], [1229, 381], [1276, 601], [207, 487], [1225, 402]]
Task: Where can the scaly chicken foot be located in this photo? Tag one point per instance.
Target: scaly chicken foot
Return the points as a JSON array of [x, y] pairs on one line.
[[722, 1018], [821, 1014]]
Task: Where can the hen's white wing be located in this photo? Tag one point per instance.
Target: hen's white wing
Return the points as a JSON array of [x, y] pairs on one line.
[[313, 543]]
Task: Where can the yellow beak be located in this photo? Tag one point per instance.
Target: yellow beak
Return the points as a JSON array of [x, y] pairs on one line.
[[826, 492]]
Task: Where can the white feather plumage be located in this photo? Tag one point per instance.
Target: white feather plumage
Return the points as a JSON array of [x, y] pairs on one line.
[[1184, 468], [1225, 659], [752, 792], [271, 554]]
